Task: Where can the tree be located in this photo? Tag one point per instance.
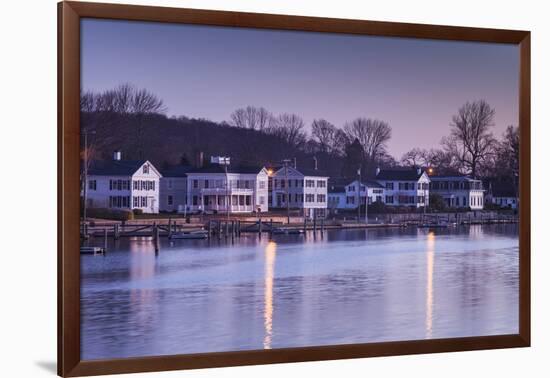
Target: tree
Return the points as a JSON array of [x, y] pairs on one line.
[[324, 133], [437, 202], [417, 157], [250, 118], [353, 159], [471, 140], [289, 128], [141, 103], [373, 135]]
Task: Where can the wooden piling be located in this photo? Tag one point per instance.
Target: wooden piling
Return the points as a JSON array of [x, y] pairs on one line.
[[226, 229], [305, 224], [115, 231], [170, 228], [219, 229], [104, 240], [156, 238]]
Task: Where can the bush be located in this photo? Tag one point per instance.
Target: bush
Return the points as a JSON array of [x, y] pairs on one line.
[[137, 211], [113, 214], [378, 207]]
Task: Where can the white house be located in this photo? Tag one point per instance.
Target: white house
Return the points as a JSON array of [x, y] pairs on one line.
[[306, 188], [357, 192], [349, 196], [123, 184], [502, 194], [459, 191], [173, 189], [404, 186], [241, 190]]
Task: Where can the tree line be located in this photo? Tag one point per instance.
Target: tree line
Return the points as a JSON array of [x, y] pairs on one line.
[[135, 121]]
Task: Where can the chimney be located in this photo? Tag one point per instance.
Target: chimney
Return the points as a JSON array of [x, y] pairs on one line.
[[418, 170], [117, 155], [295, 166], [199, 159], [315, 162], [377, 171]]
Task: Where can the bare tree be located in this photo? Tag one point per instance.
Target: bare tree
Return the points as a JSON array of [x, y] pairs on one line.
[[373, 135], [324, 133], [290, 128], [471, 140], [251, 118], [417, 157], [142, 103]]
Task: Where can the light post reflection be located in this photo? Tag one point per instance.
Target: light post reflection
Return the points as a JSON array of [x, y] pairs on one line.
[[430, 250], [270, 250]]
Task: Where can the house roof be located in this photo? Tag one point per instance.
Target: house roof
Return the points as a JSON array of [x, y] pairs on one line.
[[452, 178], [405, 174], [303, 171], [177, 171], [372, 184], [500, 188], [115, 167], [218, 168]]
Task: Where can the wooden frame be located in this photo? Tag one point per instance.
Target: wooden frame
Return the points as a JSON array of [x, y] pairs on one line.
[[69, 14]]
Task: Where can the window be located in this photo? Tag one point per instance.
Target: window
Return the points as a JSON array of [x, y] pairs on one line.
[[195, 200], [261, 184], [389, 185], [170, 200], [389, 199], [146, 169], [195, 185], [136, 203], [248, 201], [350, 200], [351, 188], [310, 183], [206, 184], [321, 198], [92, 185], [283, 183], [464, 201], [136, 183], [297, 183], [321, 183], [247, 184], [262, 200], [310, 198]]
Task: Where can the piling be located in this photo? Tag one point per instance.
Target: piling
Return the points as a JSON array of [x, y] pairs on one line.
[[305, 224], [260, 225], [156, 238], [115, 231], [104, 240], [226, 229], [219, 229], [170, 228], [209, 226], [315, 222], [271, 226], [322, 225]]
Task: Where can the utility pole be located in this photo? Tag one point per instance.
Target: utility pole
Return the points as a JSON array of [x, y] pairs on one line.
[[226, 161], [366, 204], [287, 199], [85, 188], [358, 194]]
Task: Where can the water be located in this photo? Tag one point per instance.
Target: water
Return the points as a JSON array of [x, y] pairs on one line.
[[348, 286]]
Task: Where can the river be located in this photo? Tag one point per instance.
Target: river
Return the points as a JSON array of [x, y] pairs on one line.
[[340, 287]]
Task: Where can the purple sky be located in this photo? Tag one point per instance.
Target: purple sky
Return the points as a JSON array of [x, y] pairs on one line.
[[207, 72]]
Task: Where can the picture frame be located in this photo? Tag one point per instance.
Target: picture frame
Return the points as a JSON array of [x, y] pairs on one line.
[[69, 17]]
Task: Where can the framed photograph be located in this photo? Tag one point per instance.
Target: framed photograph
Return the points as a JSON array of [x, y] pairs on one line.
[[239, 188]]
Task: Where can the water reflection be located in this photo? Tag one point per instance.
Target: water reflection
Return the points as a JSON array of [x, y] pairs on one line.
[[270, 250], [349, 286], [430, 250]]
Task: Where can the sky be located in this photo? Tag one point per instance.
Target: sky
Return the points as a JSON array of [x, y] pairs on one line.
[[207, 72]]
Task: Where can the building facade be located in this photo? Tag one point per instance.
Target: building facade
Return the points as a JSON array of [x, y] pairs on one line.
[[240, 190], [459, 191], [306, 189], [123, 184], [173, 190], [404, 186]]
